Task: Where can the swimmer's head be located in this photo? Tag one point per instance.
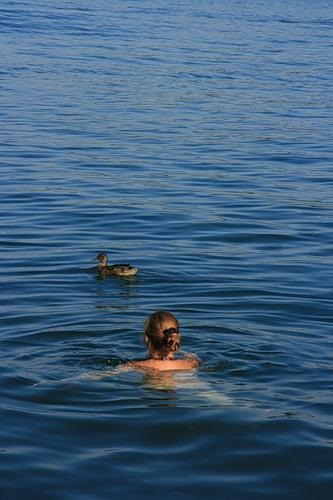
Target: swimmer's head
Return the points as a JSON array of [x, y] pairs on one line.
[[162, 335]]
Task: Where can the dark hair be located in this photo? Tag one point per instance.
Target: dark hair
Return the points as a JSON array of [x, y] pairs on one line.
[[162, 334]]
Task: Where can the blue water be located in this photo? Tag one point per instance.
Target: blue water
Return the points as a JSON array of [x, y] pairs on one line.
[[194, 140]]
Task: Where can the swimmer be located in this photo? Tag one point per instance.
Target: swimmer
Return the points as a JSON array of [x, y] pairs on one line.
[[162, 338]]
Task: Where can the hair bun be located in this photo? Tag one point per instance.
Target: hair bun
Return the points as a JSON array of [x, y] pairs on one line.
[[172, 340], [170, 331]]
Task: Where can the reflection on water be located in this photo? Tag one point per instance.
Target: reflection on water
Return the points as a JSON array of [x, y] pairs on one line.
[[159, 381], [179, 387], [182, 384]]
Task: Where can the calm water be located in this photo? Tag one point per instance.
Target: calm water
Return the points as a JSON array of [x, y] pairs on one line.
[[195, 140]]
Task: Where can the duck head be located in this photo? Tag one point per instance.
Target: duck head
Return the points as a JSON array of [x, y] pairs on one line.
[[102, 258]]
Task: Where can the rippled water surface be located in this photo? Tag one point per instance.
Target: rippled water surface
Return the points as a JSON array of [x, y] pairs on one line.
[[194, 140]]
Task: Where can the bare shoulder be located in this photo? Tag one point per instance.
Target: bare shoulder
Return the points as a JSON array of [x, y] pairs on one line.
[[188, 363]]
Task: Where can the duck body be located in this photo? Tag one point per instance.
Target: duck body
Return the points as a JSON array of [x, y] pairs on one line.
[[122, 270]]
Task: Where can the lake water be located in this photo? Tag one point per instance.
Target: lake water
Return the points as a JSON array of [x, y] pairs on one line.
[[194, 140]]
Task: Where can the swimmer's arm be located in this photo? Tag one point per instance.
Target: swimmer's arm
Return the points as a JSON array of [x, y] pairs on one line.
[[135, 365], [193, 360], [124, 367]]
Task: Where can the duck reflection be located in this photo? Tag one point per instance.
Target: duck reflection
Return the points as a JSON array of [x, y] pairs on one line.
[[113, 297]]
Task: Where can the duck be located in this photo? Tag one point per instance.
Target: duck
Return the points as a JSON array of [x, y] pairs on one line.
[[122, 270]]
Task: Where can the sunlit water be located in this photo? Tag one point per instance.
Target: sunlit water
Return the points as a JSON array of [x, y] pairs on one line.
[[194, 140]]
